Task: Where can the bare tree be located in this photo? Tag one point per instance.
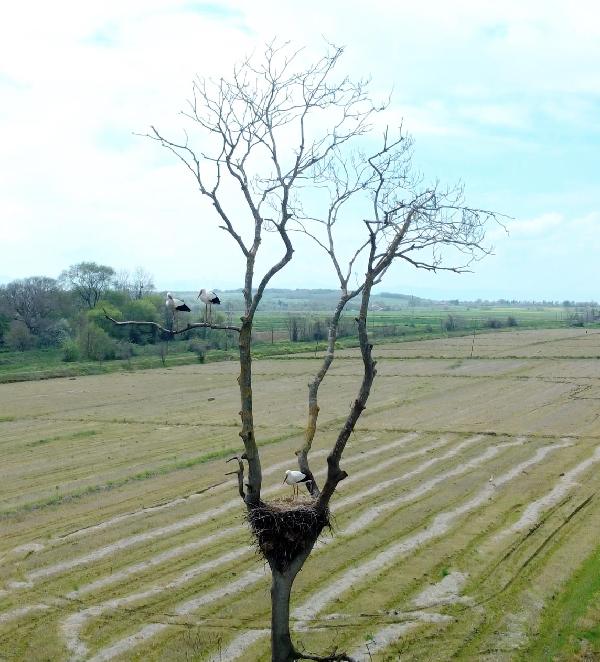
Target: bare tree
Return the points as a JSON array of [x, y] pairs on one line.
[[142, 282], [137, 284], [88, 280], [277, 129]]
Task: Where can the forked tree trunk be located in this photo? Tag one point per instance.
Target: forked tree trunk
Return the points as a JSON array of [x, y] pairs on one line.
[[282, 648], [313, 406]]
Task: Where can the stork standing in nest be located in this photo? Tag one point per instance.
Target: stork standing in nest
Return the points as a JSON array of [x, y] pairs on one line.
[[208, 298], [173, 305], [294, 478]]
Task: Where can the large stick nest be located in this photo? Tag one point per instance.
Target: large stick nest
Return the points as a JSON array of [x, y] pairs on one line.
[[284, 529]]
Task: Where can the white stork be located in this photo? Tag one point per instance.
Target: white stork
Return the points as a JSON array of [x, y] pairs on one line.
[[173, 305], [208, 298], [294, 478]]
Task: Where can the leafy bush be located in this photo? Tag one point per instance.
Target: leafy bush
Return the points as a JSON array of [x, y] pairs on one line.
[[97, 317], [55, 334], [511, 321], [19, 338], [95, 344], [70, 351], [199, 347], [125, 351]]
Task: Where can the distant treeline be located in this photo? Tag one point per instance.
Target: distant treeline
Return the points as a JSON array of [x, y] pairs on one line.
[[69, 313]]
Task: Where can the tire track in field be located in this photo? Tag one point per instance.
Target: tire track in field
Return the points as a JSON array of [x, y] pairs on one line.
[[119, 576], [85, 531], [74, 624], [207, 540], [240, 528], [529, 518], [187, 522], [148, 632], [239, 645], [440, 525], [234, 588], [390, 633], [533, 511]]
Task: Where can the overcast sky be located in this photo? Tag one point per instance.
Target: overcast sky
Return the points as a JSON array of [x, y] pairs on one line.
[[504, 96]]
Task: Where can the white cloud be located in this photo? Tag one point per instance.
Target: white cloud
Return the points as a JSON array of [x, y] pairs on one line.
[[77, 78], [534, 227]]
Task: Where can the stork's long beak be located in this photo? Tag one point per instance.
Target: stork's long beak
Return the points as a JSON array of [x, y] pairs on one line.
[[198, 295], [283, 481]]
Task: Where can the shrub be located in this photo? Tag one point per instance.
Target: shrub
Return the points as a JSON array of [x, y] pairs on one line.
[[55, 334], [70, 351], [95, 344], [19, 338], [511, 321], [124, 351], [493, 323], [97, 317], [199, 347]]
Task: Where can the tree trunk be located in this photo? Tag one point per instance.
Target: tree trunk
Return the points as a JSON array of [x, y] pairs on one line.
[[246, 414], [313, 406], [282, 649], [334, 473]]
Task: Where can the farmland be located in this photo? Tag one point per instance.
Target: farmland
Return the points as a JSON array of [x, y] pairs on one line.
[[468, 528], [391, 319]]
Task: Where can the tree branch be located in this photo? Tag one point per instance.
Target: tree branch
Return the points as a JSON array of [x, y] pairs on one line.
[[239, 472], [188, 327]]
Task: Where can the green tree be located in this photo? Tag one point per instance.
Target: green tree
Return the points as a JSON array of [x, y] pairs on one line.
[[36, 302], [89, 281]]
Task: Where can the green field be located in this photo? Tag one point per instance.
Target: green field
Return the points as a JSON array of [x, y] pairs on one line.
[[468, 528], [272, 334]]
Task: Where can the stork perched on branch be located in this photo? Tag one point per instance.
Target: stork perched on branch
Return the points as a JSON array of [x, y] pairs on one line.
[[174, 305], [208, 298]]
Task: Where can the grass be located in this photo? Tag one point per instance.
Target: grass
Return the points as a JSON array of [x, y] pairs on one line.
[[64, 497], [59, 429], [80, 434], [570, 624], [409, 323]]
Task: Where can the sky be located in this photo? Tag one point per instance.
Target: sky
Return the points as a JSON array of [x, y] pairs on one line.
[[504, 97]]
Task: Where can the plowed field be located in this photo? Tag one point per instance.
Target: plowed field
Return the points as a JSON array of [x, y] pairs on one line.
[[469, 527]]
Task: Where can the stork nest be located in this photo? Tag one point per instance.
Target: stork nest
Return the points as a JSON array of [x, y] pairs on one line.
[[283, 529]]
